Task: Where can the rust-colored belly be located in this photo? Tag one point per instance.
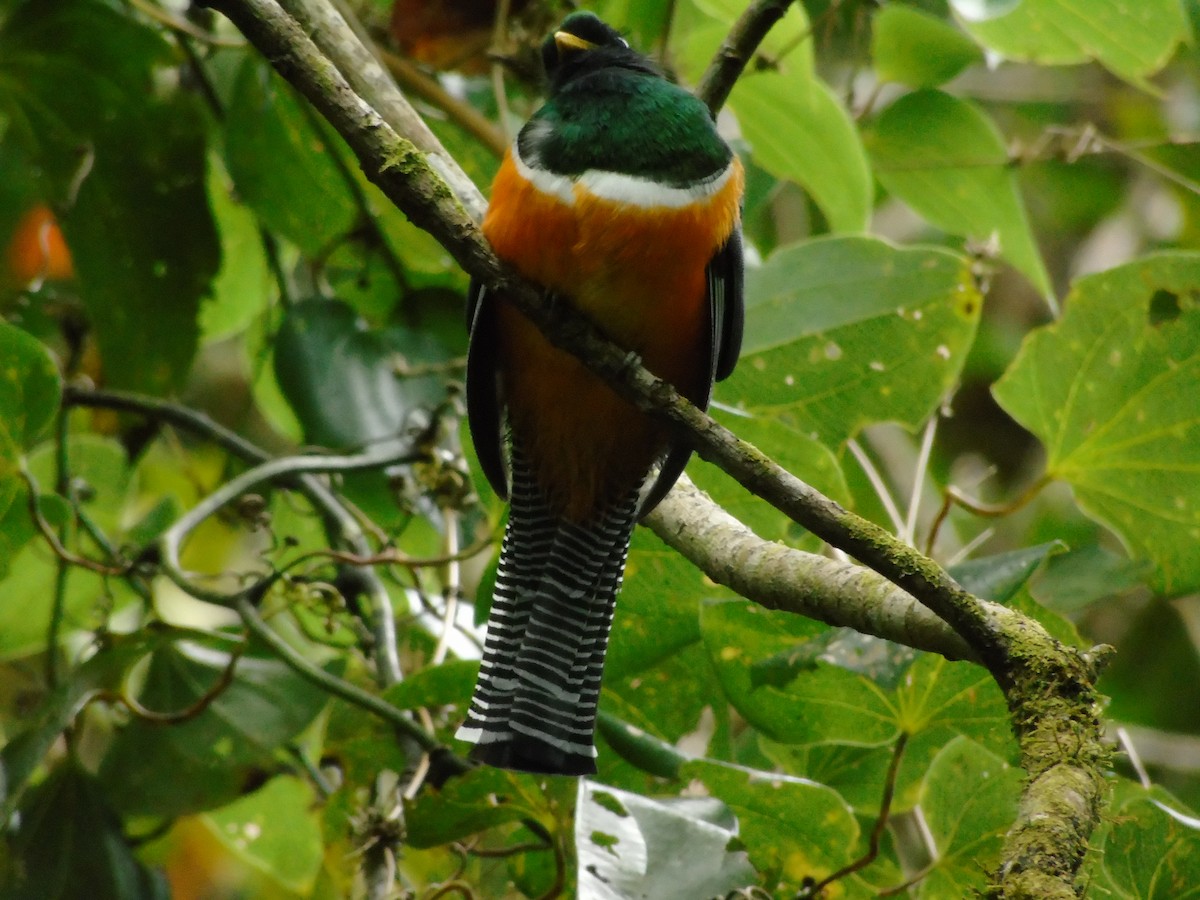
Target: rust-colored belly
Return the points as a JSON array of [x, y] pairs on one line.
[[639, 274]]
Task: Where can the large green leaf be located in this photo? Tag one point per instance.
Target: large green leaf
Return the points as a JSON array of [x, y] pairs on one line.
[[466, 805], [1154, 679], [125, 159], [799, 131], [275, 830], [943, 157], [969, 800], [243, 285], [917, 49], [345, 381], [1110, 390], [283, 169], [819, 702], [1131, 38], [633, 846], [843, 332]]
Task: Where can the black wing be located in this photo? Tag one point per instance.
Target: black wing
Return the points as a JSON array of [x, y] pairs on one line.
[[483, 388], [726, 313]]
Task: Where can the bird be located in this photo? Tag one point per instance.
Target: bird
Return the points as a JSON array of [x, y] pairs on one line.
[[619, 198]]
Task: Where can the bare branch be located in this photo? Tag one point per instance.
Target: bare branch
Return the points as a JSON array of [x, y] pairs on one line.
[[779, 577], [737, 50]]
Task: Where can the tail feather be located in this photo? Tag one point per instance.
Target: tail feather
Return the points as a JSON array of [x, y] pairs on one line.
[[535, 702]]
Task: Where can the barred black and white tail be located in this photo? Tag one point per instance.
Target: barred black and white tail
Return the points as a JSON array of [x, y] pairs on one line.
[[534, 707]]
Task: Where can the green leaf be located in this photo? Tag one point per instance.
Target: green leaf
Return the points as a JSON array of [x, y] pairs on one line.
[[70, 844], [30, 392], [17, 527], [969, 800], [917, 49], [283, 169], [829, 704], [342, 379], [844, 332], [943, 157], [101, 472], [633, 846], [200, 763], [832, 703], [30, 387], [1081, 577], [1110, 391], [275, 830], [126, 160], [145, 246], [1153, 849], [1131, 38], [793, 829], [998, 578], [243, 285], [858, 774], [799, 131]]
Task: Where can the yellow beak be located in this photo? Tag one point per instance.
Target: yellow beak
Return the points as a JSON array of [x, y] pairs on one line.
[[565, 41]]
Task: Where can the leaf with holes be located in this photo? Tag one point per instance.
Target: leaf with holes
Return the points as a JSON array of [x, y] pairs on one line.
[[843, 332], [1111, 391], [276, 830]]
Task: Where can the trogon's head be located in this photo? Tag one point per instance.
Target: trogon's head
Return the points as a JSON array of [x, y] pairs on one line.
[[583, 43]]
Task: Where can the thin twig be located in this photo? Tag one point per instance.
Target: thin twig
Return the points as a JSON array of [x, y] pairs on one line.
[[338, 687], [154, 717], [909, 535], [340, 523], [171, 541], [876, 837]]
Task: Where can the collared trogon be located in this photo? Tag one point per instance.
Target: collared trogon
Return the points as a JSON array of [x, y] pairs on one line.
[[618, 197]]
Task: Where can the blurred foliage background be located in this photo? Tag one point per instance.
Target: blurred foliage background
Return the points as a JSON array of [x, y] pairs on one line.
[[972, 296]]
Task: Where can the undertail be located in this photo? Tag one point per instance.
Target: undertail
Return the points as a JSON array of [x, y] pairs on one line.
[[534, 706]]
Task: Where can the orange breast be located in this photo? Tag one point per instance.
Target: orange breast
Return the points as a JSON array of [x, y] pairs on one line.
[[639, 274]]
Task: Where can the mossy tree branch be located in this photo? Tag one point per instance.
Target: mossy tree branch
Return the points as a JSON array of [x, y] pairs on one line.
[[1049, 687]]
